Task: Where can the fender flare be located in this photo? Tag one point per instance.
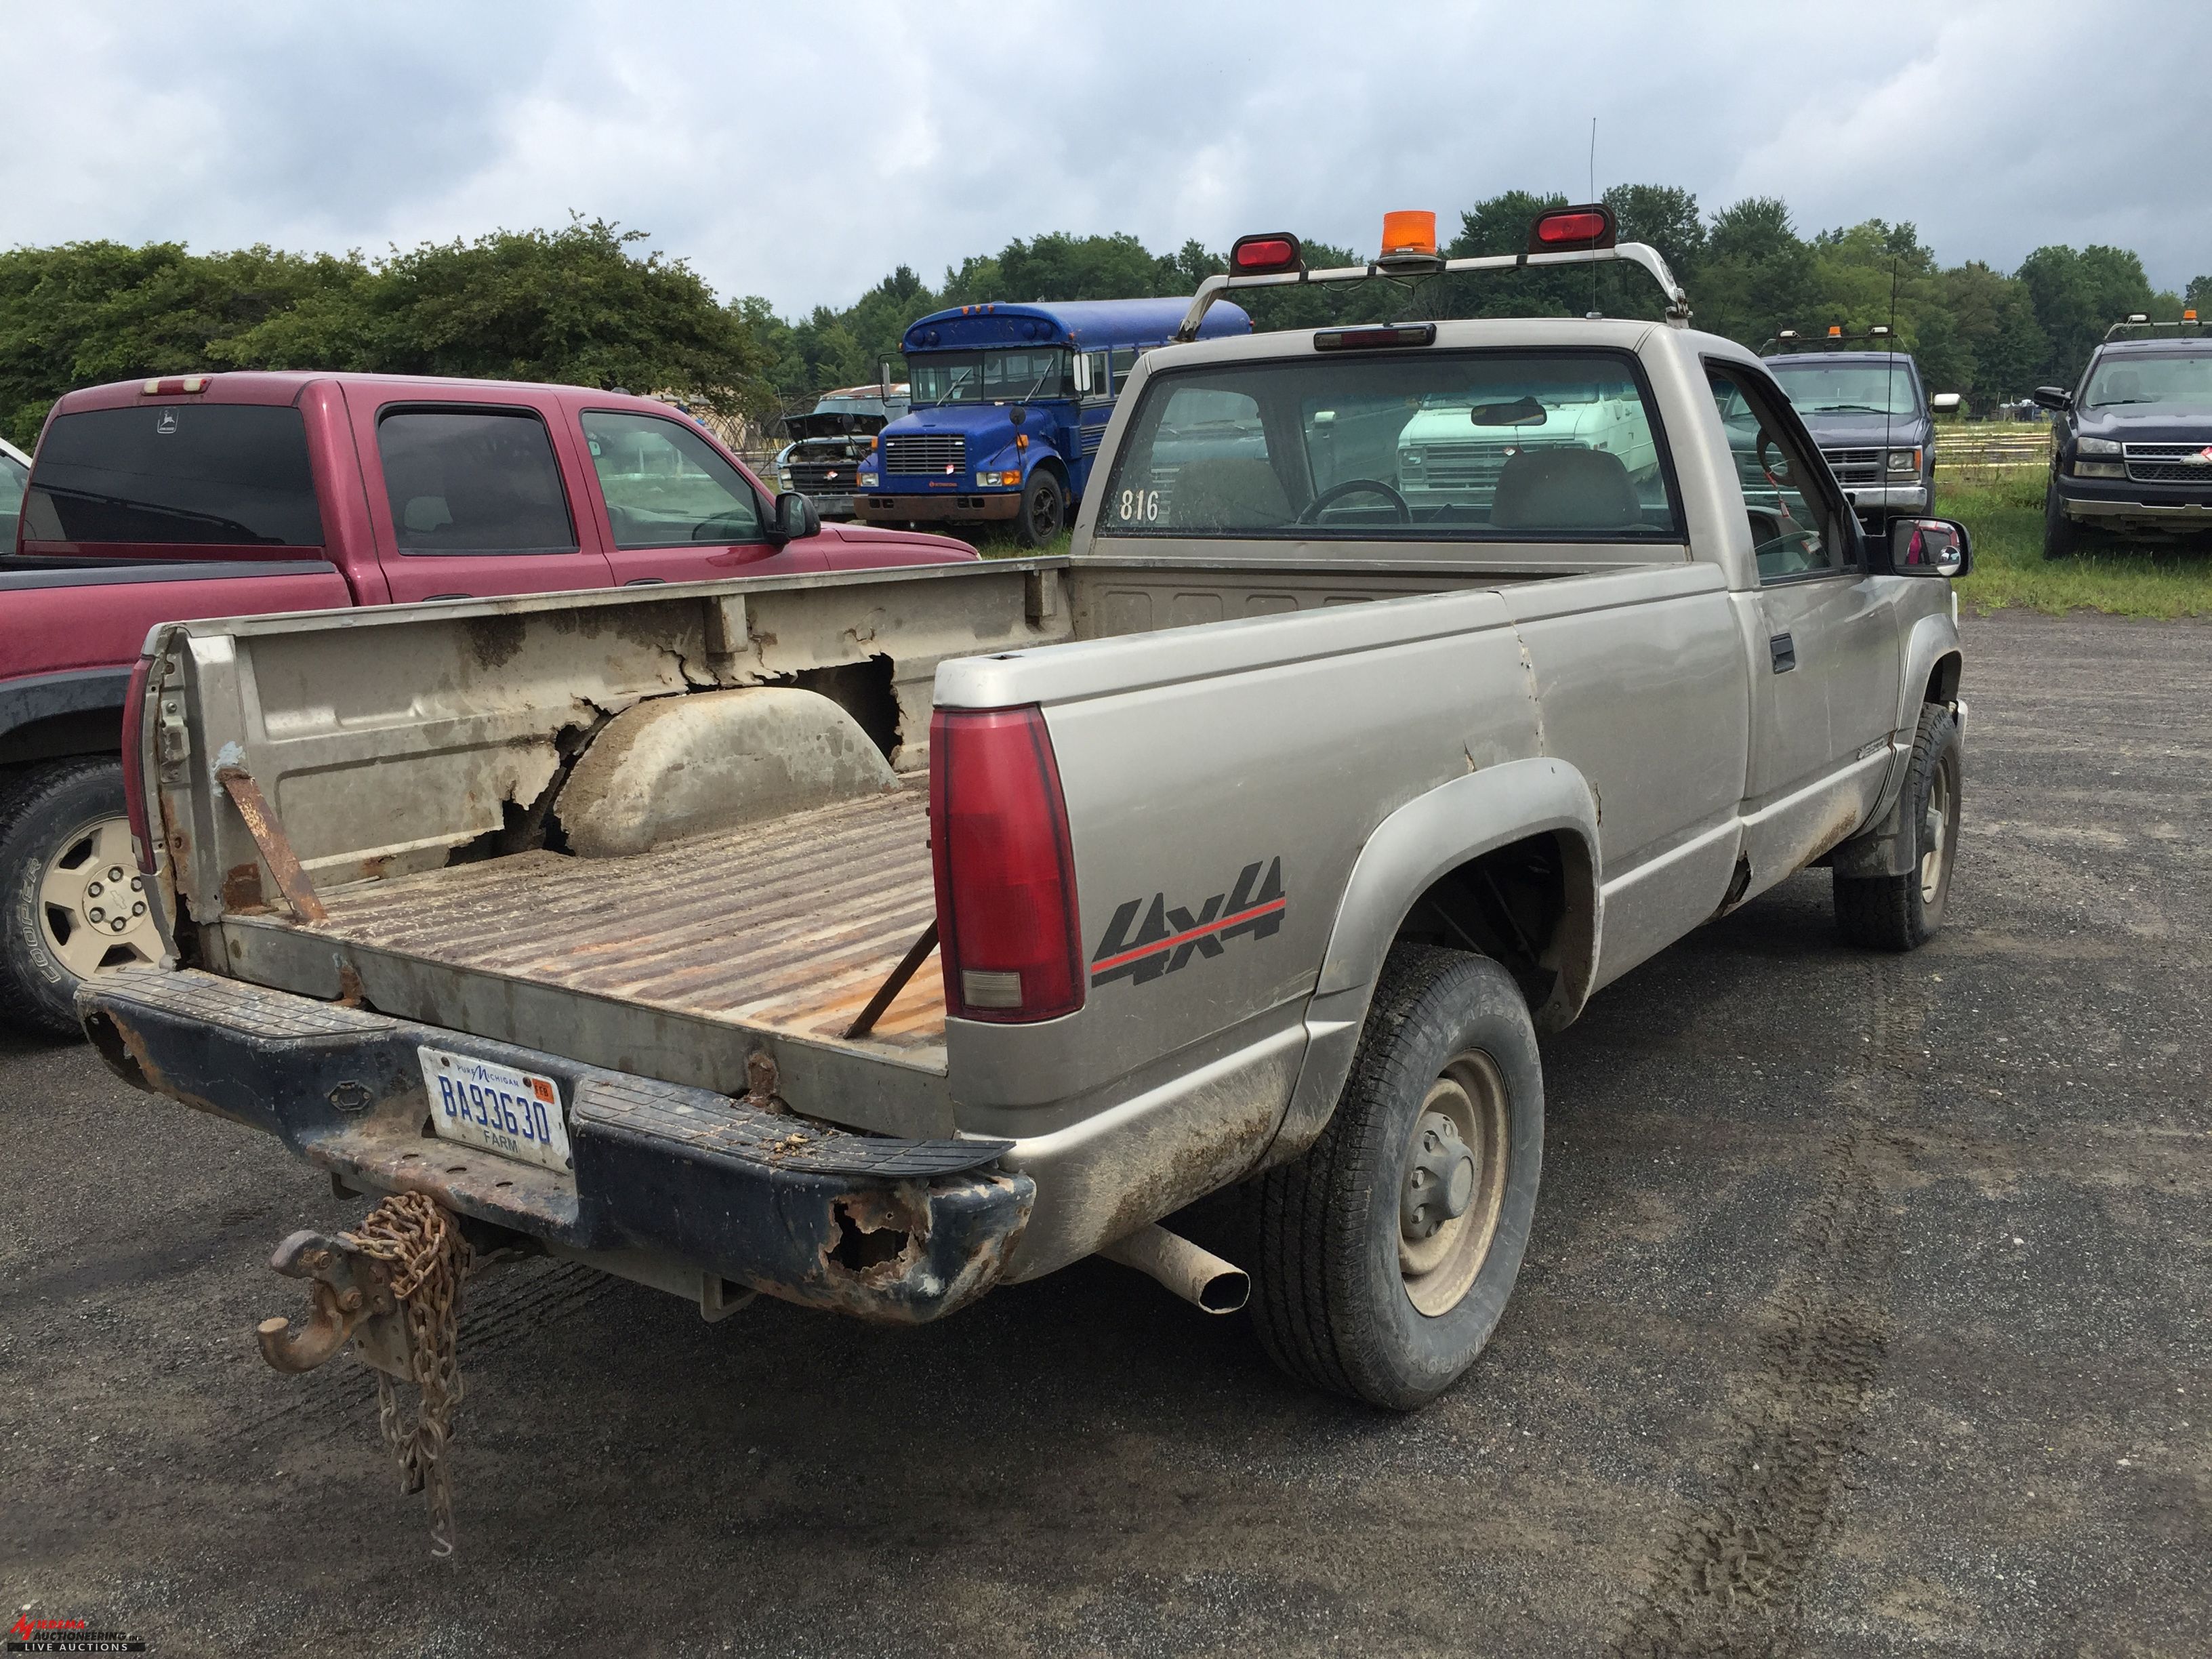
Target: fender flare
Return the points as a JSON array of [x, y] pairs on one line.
[[1409, 851], [1880, 848]]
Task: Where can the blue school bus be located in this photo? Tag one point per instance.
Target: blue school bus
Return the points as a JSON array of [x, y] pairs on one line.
[[1010, 404]]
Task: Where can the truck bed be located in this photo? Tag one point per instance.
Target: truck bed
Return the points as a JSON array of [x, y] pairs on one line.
[[790, 924]]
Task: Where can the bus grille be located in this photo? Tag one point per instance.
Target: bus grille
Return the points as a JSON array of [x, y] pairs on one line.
[[926, 452]]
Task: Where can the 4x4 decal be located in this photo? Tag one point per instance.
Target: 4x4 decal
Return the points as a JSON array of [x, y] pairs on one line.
[[1171, 935]]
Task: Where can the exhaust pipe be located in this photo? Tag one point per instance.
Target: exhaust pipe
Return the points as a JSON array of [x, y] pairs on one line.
[[1198, 1277]]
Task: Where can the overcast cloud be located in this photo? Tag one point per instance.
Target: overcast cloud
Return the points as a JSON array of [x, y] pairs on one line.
[[800, 151]]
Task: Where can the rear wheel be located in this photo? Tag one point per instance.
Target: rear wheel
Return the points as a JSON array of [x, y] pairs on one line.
[[75, 904], [1387, 1252], [1902, 912], [1043, 510]]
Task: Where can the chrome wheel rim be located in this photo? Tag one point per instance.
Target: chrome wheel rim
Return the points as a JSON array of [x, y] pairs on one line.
[[94, 917], [1452, 1187]]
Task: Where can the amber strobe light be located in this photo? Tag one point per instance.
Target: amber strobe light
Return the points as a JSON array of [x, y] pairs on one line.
[[1266, 254], [1409, 230], [1006, 874], [1571, 229]]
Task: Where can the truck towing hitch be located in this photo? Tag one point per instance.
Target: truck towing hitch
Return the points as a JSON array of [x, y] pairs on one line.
[[347, 1288]]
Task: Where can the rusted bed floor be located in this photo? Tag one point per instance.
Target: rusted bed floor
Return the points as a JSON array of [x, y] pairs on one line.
[[792, 924]]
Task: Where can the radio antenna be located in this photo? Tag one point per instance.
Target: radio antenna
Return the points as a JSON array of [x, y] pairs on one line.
[[1593, 196], [1889, 387]]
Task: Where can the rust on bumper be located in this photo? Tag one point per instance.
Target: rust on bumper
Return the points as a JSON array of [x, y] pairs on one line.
[[895, 1232]]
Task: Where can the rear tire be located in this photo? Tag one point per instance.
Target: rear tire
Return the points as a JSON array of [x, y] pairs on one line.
[[1902, 912], [1369, 1282], [2061, 536], [1043, 511], [62, 833]]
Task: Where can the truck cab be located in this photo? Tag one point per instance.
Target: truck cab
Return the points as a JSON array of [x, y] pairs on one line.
[[2131, 446], [1010, 404], [1868, 412]]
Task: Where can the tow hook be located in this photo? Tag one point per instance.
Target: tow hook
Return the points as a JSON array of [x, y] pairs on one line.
[[345, 1286]]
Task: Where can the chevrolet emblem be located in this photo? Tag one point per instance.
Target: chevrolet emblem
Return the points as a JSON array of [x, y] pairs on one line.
[[2201, 458]]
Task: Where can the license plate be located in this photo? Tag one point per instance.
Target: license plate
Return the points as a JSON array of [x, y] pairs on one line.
[[515, 1114]]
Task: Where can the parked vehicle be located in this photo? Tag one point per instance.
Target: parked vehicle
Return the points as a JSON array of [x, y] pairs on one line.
[[14, 473], [828, 443], [2131, 446], [1869, 413], [215, 495], [877, 939], [1010, 403]]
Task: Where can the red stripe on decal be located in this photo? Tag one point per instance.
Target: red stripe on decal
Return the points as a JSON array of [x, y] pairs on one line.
[[1169, 943]]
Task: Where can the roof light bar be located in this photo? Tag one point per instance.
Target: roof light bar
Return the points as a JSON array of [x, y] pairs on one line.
[[1375, 339], [1578, 235]]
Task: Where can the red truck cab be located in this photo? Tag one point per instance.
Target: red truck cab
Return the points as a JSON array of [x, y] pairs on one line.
[[226, 494]]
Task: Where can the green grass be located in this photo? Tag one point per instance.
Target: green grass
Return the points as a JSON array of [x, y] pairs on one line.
[[2004, 512]]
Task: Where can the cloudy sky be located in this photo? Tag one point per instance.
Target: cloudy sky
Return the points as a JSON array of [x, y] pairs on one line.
[[800, 150]]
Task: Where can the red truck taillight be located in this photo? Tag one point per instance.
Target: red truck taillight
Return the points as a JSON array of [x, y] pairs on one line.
[[134, 777], [1006, 873]]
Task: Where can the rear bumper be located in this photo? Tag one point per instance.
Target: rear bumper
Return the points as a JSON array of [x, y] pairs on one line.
[[895, 1231], [974, 508]]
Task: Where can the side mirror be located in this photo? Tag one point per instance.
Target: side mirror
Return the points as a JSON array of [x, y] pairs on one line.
[[2053, 397], [796, 518], [1929, 547], [1082, 373], [1945, 403]]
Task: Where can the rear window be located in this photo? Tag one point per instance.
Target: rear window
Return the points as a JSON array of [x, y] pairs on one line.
[[225, 475], [473, 481], [1473, 446]]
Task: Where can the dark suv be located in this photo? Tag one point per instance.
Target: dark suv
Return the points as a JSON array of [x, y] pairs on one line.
[[2131, 447], [1868, 413]]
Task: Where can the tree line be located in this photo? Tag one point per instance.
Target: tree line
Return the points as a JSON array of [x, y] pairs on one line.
[[585, 304]]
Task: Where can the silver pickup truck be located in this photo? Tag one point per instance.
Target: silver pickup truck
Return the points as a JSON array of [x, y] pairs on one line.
[[872, 940]]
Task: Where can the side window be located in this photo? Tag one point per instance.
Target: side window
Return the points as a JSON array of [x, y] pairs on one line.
[[1125, 359], [1101, 389], [664, 485], [473, 481], [1794, 531], [1209, 466]]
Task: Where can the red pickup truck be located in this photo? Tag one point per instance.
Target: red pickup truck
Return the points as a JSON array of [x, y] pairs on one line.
[[227, 495]]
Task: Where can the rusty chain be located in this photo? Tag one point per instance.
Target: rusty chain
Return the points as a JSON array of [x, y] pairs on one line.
[[429, 1258]]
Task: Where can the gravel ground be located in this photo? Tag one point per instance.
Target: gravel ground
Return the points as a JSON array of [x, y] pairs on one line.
[[1866, 1314]]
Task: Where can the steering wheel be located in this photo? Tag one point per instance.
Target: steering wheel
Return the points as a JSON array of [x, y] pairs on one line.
[[1314, 506], [735, 525]]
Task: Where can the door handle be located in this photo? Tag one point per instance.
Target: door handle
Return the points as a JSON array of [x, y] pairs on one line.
[[646, 581], [1784, 650]]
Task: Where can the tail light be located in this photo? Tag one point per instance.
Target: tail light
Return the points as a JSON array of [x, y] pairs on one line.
[[134, 772], [1006, 874]]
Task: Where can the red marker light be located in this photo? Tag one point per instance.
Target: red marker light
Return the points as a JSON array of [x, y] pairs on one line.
[[176, 386], [1264, 255], [1571, 229]]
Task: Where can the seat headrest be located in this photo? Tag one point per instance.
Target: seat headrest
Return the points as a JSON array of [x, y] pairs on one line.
[[1228, 492], [1565, 489]]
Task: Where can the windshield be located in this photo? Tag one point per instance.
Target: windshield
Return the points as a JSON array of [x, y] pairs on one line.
[[1849, 388], [13, 473], [990, 377], [2150, 379], [1423, 446]]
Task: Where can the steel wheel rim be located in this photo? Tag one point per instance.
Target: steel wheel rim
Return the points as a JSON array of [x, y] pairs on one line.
[[89, 884], [1438, 1269], [1937, 834], [1044, 509]]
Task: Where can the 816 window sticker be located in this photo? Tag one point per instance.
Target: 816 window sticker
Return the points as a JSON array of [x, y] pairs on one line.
[[1171, 936]]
